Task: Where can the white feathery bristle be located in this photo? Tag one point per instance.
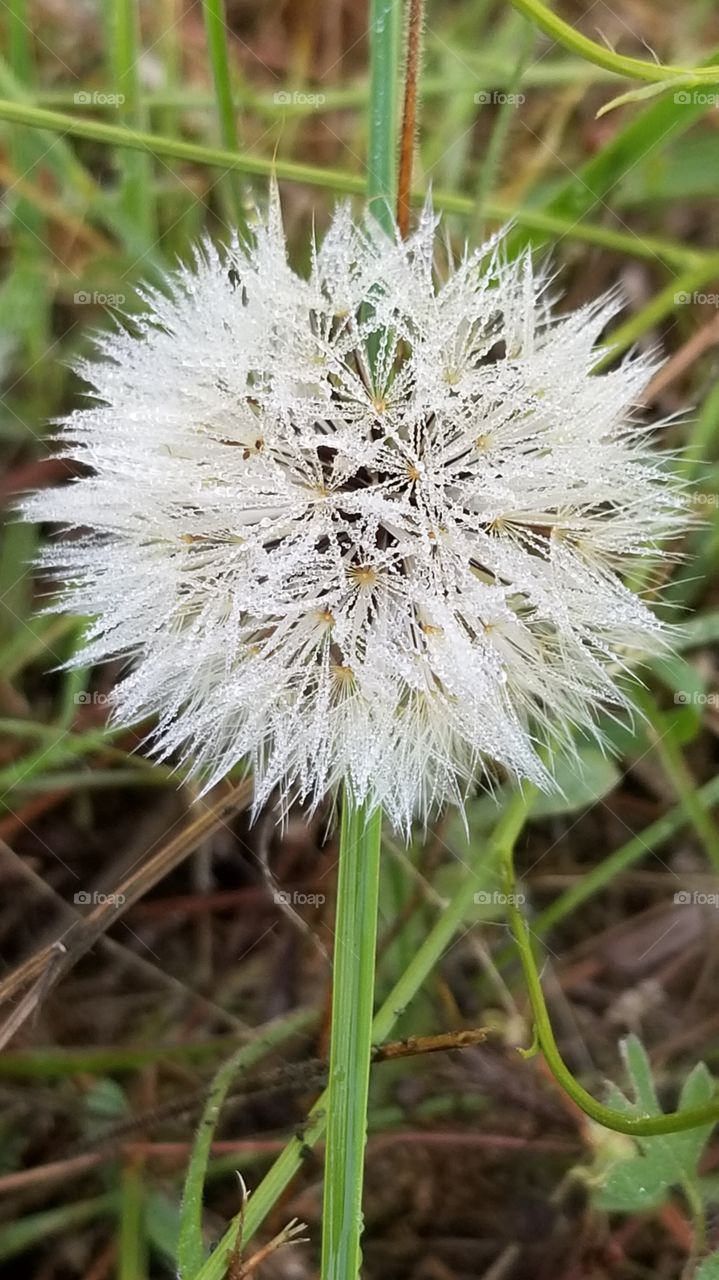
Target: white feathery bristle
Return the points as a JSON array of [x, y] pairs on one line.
[[364, 527]]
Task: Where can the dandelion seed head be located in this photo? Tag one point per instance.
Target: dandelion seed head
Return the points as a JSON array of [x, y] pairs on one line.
[[364, 526]]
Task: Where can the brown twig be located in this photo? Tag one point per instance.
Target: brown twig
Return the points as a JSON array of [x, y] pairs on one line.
[[409, 115], [442, 1043], [289, 1078]]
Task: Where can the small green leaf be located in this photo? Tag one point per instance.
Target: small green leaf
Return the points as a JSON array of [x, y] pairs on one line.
[[580, 783], [698, 1089], [632, 1186], [640, 1073], [106, 1099], [644, 1181], [638, 95], [703, 629]]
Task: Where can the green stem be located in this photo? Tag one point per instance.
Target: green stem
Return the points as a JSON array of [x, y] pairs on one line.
[[360, 835], [422, 964], [137, 185], [385, 36], [351, 1043], [645, 1126], [216, 30], [131, 1237], [634, 68]]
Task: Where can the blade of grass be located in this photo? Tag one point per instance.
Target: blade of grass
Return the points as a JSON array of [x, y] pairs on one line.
[[137, 185], [191, 1249], [216, 31], [22, 151], [28, 1233], [54, 152], [131, 1238], [179, 213], [28, 283], [699, 631], [385, 35]]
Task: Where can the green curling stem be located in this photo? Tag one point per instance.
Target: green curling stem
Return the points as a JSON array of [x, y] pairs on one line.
[[640, 1127], [601, 56]]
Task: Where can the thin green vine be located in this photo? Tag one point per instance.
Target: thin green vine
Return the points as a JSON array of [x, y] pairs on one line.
[[601, 56], [544, 1040]]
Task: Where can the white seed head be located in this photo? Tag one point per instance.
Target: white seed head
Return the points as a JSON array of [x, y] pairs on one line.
[[364, 526]]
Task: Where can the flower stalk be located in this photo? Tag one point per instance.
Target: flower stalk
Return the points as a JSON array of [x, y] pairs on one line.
[[351, 1041], [360, 833]]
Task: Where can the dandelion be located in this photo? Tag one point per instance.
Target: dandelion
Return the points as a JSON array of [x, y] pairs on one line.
[[364, 526]]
